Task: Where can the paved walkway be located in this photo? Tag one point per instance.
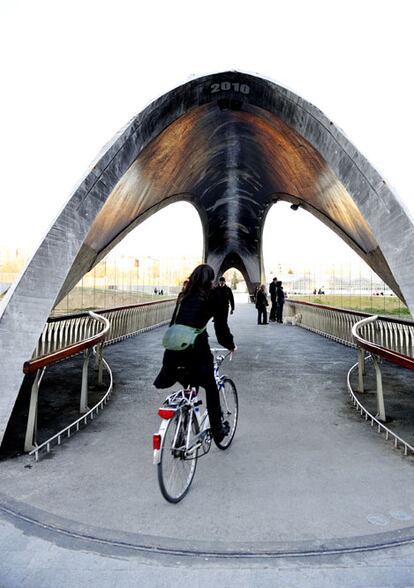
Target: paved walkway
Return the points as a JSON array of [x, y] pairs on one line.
[[307, 495]]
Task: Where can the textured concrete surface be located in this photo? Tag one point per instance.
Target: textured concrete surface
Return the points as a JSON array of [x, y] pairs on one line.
[[307, 495], [45, 561]]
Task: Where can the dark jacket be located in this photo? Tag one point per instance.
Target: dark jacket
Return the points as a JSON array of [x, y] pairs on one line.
[[223, 298], [272, 291], [194, 365], [261, 300], [280, 294]]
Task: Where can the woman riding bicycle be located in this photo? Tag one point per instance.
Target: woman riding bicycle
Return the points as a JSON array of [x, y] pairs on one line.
[[196, 306]]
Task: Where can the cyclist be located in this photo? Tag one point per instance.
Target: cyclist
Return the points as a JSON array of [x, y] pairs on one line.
[[196, 307]]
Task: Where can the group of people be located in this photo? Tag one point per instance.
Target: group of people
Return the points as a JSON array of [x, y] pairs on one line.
[[197, 303], [277, 298]]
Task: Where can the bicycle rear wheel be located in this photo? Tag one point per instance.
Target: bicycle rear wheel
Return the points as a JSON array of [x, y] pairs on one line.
[[230, 409], [177, 466]]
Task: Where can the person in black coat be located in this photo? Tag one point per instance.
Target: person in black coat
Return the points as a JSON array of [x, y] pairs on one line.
[[272, 292], [261, 304], [280, 296], [222, 299], [224, 296], [196, 306]]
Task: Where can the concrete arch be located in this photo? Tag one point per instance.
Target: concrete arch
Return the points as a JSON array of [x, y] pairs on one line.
[[250, 273], [87, 259], [374, 257], [231, 141]]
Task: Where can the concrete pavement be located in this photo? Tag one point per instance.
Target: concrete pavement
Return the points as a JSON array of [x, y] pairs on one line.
[[307, 494]]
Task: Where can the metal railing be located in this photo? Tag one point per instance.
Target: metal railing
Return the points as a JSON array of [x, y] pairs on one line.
[[395, 335], [38, 367], [377, 352], [381, 428], [68, 335], [125, 321], [385, 338], [75, 426]]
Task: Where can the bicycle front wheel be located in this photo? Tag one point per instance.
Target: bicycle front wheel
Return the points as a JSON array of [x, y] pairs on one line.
[[177, 464], [230, 410]]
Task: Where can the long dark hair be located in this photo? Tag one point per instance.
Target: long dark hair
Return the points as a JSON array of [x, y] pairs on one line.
[[200, 280]]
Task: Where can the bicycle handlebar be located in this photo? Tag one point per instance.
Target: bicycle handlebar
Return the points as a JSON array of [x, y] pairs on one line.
[[226, 352]]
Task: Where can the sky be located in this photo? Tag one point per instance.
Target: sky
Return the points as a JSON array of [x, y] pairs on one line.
[[74, 72]]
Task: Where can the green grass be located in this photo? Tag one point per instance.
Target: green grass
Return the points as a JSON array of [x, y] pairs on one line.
[[390, 305], [81, 299]]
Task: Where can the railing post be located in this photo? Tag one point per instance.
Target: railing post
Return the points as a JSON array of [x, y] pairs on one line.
[[31, 429], [99, 354], [84, 390], [361, 369], [380, 395]]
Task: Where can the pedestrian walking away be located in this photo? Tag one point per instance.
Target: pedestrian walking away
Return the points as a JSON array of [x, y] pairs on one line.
[[261, 305], [223, 300]]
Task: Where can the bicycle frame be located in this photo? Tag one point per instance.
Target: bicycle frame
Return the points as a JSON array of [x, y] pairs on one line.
[[186, 408], [186, 400]]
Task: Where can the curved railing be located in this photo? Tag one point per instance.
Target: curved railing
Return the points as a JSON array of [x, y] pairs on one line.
[[75, 426], [394, 334], [400, 338], [384, 338], [85, 345], [68, 335], [331, 322], [64, 352], [38, 366], [125, 321], [377, 352]]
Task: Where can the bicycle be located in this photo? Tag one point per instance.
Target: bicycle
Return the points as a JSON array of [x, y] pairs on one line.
[[185, 435]]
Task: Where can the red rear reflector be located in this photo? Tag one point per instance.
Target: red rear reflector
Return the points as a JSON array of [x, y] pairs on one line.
[[156, 442], [166, 413]]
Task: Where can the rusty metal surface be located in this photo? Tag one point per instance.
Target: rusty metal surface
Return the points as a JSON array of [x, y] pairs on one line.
[[231, 165]]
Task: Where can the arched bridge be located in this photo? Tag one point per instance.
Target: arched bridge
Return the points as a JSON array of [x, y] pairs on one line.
[[233, 145]]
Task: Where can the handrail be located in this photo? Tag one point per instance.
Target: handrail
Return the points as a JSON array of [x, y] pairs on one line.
[[325, 307], [73, 329], [343, 326], [65, 336], [368, 416], [393, 356], [35, 364], [349, 311], [396, 335], [84, 418], [39, 365], [70, 315]]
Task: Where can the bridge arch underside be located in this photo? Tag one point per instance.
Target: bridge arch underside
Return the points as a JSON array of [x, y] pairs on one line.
[[232, 145]]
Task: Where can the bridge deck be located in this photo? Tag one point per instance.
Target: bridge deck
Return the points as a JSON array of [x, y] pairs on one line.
[[304, 472]]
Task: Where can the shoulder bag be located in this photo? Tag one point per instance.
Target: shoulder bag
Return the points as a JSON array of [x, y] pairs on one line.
[[180, 337]]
